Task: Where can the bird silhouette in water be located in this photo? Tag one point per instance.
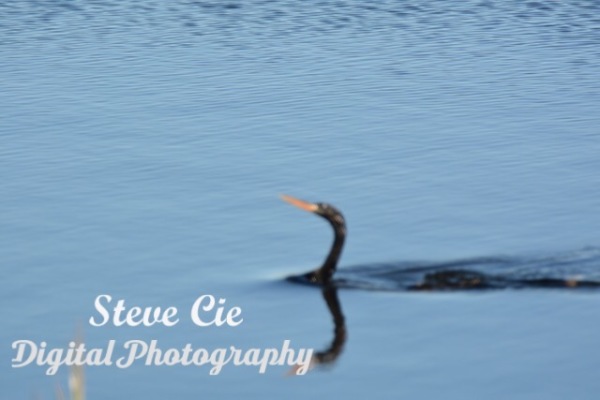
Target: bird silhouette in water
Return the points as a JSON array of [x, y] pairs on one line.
[[455, 275]]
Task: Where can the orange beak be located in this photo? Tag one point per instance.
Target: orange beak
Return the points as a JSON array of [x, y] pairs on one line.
[[306, 206]]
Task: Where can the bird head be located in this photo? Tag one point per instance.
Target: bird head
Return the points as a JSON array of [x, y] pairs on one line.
[[324, 210]]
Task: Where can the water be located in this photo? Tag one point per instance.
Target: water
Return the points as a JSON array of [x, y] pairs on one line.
[[144, 145]]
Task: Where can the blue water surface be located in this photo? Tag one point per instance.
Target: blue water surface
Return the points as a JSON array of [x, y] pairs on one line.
[[143, 146]]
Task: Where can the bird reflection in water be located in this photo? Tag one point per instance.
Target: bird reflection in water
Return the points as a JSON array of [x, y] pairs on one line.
[[478, 274], [329, 355]]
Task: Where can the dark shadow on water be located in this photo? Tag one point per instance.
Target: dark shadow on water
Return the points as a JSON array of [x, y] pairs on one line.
[[330, 354]]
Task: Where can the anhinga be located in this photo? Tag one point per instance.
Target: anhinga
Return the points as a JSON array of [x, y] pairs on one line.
[[437, 276], [323, 274]]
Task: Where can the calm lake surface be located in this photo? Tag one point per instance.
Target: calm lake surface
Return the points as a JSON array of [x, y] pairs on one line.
[[143, 146]]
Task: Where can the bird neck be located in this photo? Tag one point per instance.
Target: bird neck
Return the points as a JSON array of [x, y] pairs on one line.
[[328, 268]]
